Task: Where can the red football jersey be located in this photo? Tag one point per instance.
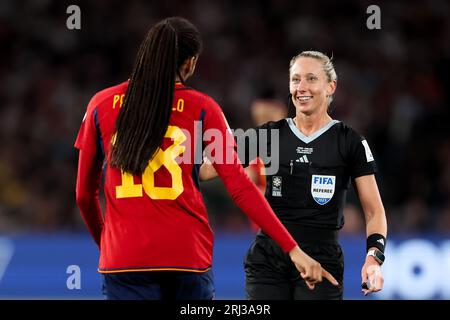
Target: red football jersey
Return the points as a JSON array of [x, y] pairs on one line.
[[158, 221]]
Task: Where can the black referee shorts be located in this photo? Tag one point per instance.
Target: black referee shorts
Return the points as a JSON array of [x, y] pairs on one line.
[[271, 275]]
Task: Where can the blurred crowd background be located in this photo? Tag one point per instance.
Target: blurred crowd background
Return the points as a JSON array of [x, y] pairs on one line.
[[393, 87]]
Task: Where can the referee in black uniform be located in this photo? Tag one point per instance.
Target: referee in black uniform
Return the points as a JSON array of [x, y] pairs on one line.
[[318, 159]]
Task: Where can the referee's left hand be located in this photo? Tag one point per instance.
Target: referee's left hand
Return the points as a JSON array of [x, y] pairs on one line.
[[372, 275]]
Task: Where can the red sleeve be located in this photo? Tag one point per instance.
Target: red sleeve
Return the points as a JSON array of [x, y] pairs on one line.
[[243, 192], [89, 174]]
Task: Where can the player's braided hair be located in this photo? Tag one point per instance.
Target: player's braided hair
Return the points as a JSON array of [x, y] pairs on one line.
[[145, 113]]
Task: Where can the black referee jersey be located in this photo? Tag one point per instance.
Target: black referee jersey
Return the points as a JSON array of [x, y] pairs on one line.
[[310, 187]]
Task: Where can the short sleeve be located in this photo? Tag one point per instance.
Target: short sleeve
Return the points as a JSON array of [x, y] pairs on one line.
[[87, 135], [359, 155]]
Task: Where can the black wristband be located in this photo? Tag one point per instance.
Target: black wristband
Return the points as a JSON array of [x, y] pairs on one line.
[[376, 240]]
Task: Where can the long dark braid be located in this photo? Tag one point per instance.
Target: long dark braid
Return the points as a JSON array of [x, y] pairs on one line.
[[145, 113]]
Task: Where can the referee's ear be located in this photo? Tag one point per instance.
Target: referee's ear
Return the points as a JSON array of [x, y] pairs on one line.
[[331, 87]]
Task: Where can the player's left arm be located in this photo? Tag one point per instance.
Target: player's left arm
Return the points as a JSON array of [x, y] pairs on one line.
[[376, 226], [90, 163], [87, 192]]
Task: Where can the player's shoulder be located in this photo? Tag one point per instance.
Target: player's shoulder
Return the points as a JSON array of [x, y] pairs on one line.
[[190, 91], [201, 99], [107, 93]]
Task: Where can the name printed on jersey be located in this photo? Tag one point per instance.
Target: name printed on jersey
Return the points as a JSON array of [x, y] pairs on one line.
[[322, 188]]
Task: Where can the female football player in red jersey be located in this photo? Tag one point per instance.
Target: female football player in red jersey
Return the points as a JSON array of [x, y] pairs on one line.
[[155, 239]]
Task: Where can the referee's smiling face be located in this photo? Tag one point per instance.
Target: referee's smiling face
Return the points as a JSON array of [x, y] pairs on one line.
[[309, 86]]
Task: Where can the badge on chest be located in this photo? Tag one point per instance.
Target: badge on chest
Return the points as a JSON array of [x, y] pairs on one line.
[[322, 188], [277, 182]]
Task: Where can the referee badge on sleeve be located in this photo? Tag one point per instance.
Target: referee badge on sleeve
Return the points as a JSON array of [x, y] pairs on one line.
[[322, 188], [277, 182], [369, 156]]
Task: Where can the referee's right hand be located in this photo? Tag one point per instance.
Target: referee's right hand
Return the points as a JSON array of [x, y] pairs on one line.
[[310, 269]]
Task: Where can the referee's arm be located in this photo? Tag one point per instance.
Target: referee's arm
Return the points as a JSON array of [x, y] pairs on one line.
[[376, 224], [369, 195]]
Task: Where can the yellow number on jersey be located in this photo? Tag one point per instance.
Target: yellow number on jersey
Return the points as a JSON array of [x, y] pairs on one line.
[[128, 189], [166, 158]]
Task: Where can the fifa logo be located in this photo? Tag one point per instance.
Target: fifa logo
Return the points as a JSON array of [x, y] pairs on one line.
[[323, 180]]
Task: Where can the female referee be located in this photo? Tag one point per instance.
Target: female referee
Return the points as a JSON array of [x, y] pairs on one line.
[[155, 239], [318, 157]]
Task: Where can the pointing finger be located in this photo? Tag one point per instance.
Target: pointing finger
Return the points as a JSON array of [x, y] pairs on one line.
[[330, 278]]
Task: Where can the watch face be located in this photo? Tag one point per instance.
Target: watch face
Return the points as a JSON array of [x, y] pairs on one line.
[[379, 255]]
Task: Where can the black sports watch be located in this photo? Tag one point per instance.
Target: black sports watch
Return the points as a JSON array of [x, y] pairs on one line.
[[377, 255]]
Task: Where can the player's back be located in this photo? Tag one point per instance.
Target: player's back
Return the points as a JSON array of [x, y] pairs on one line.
[[155, 221]]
